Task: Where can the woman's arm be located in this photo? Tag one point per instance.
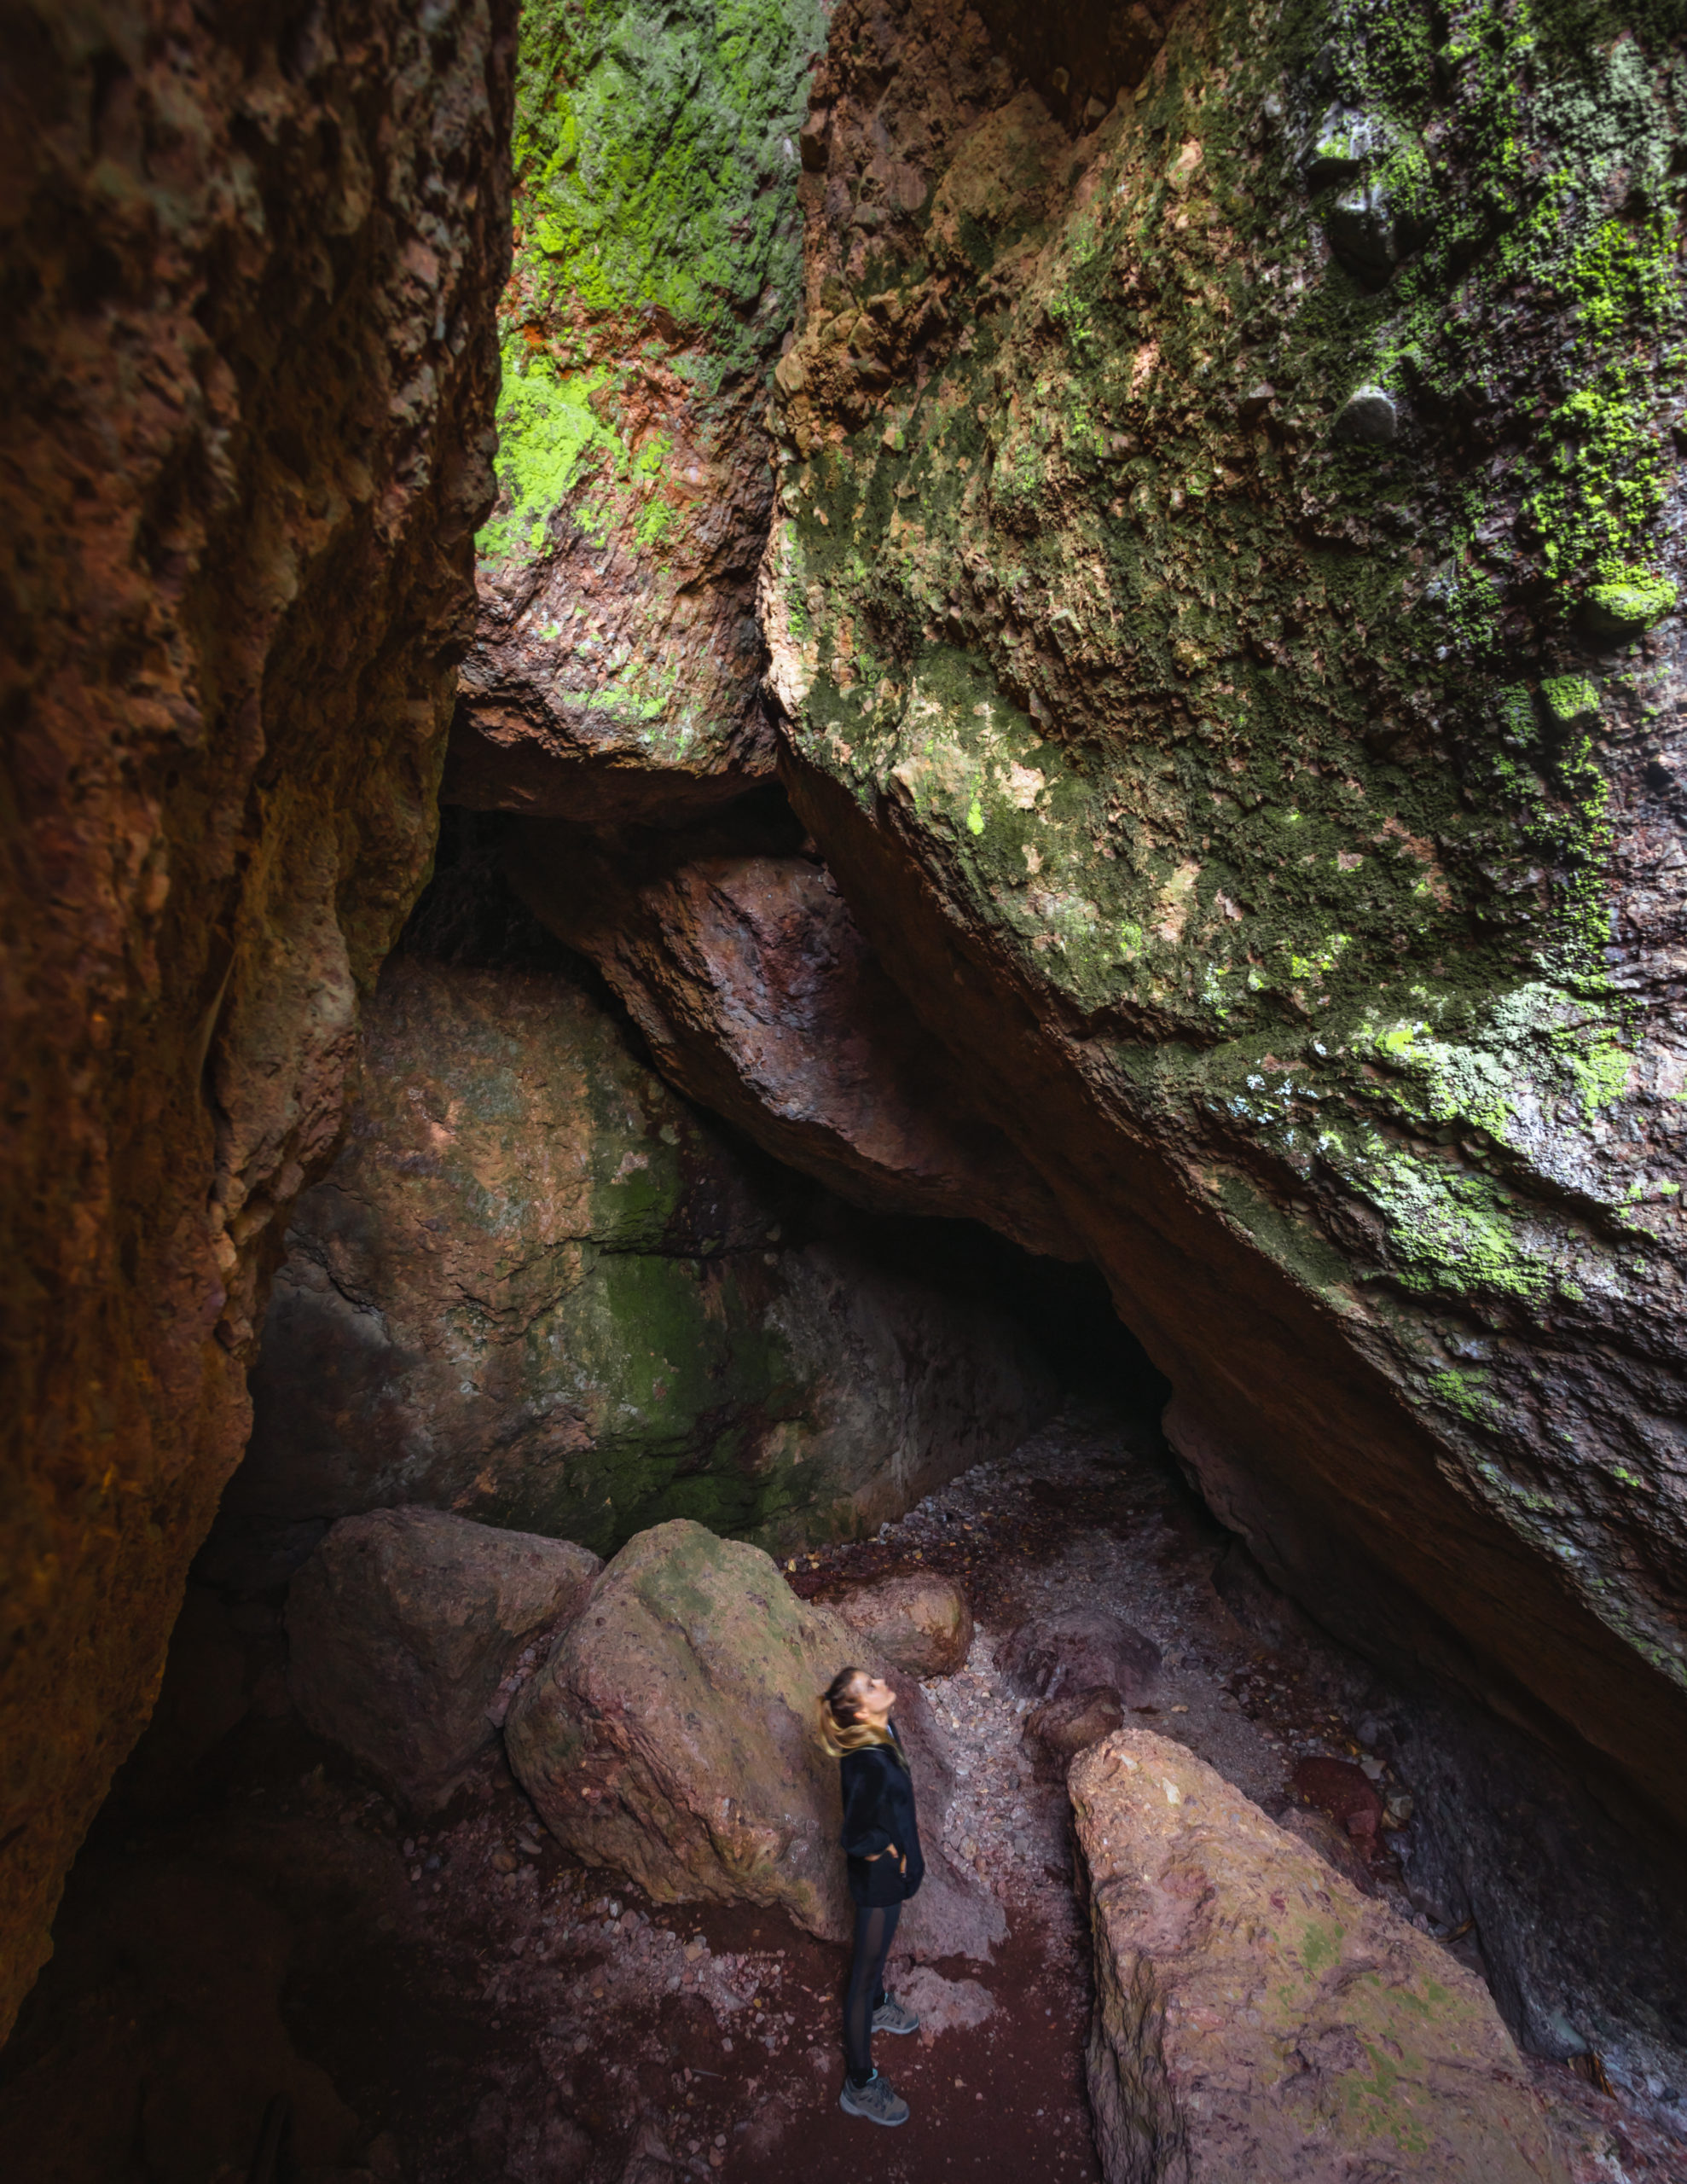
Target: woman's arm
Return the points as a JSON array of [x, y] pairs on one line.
[[865, 1833]]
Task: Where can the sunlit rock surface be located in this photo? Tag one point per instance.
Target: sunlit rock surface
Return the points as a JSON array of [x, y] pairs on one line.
[[1193, 596], [617, 663], [539, 1289], [250, 264]]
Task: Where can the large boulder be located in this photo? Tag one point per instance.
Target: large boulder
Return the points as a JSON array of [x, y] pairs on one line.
[[920, 1623], [672, 1734], [1268, 813], [540, 1289], [749, 979], [1256, 2016], [406, 1628], [251, 258]]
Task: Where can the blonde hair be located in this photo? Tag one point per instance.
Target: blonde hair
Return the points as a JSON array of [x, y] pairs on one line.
[[842, 1728]]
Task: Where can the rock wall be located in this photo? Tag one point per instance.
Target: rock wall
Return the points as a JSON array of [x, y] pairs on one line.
[[539, 1289], [617, 663], [249, 258], [1222, 597]]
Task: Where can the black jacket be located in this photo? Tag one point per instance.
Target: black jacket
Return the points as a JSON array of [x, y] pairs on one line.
[[878, 1811]]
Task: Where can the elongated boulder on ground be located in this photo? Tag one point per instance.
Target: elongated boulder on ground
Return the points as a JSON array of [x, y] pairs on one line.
[[921, 1624], [672, 1735], [1256, 2016], [1081, 1649], [407, 1627]]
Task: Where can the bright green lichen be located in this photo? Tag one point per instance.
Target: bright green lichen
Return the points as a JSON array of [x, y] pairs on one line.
[[655, 152]]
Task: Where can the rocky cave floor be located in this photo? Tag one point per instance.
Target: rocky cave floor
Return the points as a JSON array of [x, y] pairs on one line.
[[455, 1998]]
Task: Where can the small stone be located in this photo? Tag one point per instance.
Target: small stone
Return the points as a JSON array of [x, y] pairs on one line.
[[504, 1862], [1341, 144], [1256, 401], [1571, 701], [1368, 416], [1361, 232], [1630, 608], [1094, 109]]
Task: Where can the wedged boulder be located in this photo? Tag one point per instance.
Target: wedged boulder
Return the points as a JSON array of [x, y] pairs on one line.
[[407, 1630], [672, 1735], [539, 1289], [1082, 1649], [1060, 1728], [1256, 2016], [920, 1624], [749, 977]]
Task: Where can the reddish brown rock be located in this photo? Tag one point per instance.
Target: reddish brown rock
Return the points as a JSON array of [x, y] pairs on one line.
[[1060, 1728], [919, 1624], [1376, 1139], [749, 978], [1334, 1845], [539, 1289], [1081, 1649], [409, 1628], [247, 380], [617, 667], [672, 1735], [1345, 1792], [1256, 2016]]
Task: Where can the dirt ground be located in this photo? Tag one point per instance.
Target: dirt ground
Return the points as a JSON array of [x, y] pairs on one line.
[[452, 1999]]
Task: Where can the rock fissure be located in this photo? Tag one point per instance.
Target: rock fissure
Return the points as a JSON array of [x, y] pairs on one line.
[[1060, 637]]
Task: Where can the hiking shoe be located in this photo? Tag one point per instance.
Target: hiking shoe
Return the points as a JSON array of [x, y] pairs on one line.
[[877, 2101], [892, 2016]]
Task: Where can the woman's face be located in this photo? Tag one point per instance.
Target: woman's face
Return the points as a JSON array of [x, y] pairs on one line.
[[875, 1697]]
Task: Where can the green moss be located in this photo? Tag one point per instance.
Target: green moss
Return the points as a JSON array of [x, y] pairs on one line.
[[549, 437], [1634, 602], [655, 156], [1571, 701]]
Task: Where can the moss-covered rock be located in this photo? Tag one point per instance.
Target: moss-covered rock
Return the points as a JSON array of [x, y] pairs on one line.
[[656, 272], [540, 1290], [1180, 631]]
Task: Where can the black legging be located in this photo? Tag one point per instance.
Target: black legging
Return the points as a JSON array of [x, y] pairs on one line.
[[875, 1929]]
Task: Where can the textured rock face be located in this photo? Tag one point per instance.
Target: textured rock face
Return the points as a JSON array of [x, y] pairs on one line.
[[617, 662], [1082, 1650], [750, 981], [404, 1628], [1255, 2016], [247, 379], [673, 1736], [1200, 523], [921, 1625], [539, 1290]]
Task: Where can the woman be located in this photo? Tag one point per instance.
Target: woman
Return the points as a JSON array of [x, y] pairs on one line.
[[881, 1842]]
